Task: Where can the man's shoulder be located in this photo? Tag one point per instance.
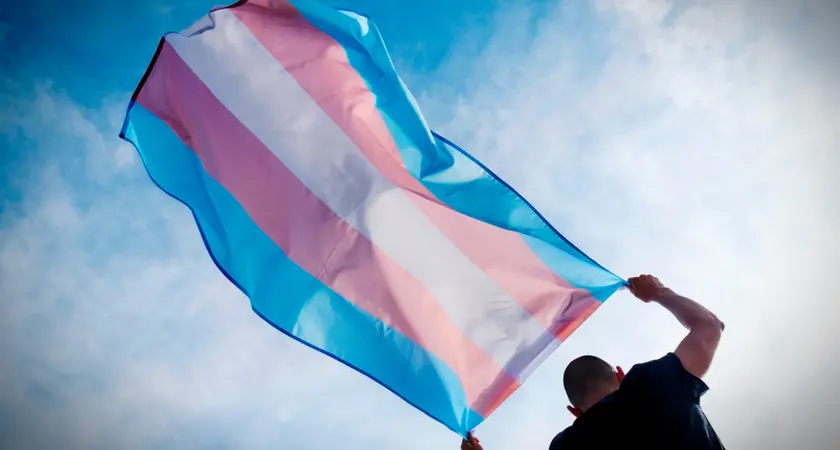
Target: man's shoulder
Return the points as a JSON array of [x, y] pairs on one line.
[[663, 375], [667, 360], [667, 365], [563, 440]]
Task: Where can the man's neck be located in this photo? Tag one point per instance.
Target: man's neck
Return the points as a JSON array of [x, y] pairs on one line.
[[596, 398]]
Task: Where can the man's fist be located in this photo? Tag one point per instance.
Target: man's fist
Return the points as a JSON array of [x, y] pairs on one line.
[[471, 443], [646, 287]]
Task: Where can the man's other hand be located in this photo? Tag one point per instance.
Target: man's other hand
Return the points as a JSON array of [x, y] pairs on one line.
[[471, 443]]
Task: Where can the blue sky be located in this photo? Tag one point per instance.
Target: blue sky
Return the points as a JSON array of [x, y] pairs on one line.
[[696, 140]]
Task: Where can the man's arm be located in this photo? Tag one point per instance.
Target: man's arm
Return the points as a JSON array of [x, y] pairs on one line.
[[697, 349]]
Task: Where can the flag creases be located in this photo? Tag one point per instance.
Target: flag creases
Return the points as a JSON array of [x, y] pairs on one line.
[[323, 195]]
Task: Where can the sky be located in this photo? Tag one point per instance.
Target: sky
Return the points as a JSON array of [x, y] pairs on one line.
[[695, 140]]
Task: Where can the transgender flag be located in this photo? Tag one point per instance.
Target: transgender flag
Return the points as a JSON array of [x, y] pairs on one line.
[[351, 227]]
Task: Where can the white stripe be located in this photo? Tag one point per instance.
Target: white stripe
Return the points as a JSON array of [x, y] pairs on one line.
[[256, 88]]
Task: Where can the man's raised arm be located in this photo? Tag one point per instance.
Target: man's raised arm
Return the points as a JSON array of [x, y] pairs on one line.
[[697, 349]]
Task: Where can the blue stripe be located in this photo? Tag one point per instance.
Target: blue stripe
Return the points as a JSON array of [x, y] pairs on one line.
[[447, 171], [288, 297]]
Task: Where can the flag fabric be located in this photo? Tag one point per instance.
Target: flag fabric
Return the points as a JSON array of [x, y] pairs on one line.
[[323, 195]]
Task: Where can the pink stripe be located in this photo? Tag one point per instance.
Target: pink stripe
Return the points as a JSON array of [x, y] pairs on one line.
[[576, 315], [312, 236], [319, 64]]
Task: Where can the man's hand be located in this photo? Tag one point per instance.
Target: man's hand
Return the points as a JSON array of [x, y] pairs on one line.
[[471, 443], [646, 287]]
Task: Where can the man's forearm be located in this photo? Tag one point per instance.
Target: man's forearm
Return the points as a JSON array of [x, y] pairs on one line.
[[690, 313]]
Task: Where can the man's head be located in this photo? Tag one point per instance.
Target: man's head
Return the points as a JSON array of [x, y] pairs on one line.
[[587, 380]]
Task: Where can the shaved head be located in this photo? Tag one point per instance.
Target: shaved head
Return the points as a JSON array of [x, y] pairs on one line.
[[587, 376]]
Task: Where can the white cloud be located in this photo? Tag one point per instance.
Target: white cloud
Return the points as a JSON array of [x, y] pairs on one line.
[[116, 328], [703, 149], [696, 142]]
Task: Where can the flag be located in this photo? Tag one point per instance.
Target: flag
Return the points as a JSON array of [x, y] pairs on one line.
[[323, 195]]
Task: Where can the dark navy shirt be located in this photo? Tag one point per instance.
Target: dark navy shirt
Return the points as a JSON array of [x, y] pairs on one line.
[[657, 406]]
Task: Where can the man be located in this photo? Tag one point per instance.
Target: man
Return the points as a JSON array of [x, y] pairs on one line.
[[657, 404]]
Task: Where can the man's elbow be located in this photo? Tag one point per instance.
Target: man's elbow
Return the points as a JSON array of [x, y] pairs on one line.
[[708, 335], [717, 322], [709, 325], [711, 331], [698, 349]]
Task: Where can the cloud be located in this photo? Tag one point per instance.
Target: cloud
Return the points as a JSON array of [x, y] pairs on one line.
[[696, 141], [116, 328]]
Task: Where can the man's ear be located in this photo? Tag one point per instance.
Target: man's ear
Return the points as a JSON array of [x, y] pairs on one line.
[[620, 373], [575, 411]]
